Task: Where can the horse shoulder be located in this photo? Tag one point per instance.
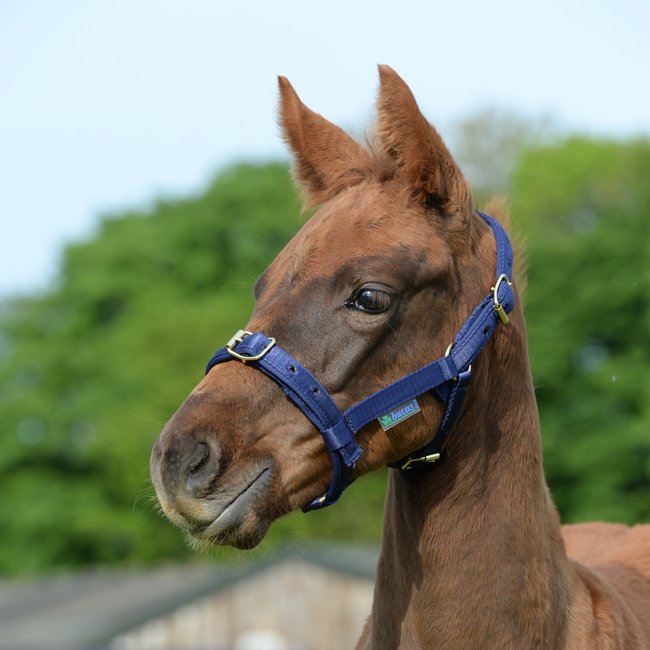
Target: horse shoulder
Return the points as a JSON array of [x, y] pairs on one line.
[[611, 563]]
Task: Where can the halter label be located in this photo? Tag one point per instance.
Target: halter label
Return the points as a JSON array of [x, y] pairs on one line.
[[398, 414]]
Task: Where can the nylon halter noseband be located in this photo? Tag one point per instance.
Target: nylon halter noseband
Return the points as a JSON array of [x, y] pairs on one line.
[[447, 378]]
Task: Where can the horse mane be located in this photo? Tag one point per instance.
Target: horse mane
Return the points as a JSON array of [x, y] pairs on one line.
[[499, 208]]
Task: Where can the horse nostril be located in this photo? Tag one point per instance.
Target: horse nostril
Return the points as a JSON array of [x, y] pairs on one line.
[[199, 459], [201, 469]]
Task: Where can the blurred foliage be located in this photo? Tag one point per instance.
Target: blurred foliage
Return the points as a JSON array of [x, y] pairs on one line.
[[91, 370], [583, 206], [487, 144]]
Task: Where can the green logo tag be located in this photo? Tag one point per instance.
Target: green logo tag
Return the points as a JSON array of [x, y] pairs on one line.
[[398, 414]]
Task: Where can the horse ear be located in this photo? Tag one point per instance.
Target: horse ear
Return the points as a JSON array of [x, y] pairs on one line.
[[417, 149], [326, 159]]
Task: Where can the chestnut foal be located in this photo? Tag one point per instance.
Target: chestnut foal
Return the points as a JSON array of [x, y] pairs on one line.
[[374, 287]]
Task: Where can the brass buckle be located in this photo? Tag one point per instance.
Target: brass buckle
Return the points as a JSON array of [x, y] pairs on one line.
[[431, 458], [497, 305], [238, 338]]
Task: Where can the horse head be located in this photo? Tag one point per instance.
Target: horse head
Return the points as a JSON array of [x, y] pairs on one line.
[[380, 278]]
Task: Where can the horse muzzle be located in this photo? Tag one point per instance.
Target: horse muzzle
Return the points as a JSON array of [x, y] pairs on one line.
[[201, 492]]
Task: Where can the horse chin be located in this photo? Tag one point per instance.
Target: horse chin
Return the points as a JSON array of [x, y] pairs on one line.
[[243, 520], [244, 537]]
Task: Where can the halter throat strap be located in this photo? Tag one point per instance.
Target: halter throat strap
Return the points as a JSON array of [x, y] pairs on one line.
[[448, 378]]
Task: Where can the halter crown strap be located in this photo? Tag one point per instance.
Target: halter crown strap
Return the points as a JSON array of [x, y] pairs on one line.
[[448, 378]]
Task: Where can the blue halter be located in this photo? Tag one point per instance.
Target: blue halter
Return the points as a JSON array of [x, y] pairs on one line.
[[448, 378]]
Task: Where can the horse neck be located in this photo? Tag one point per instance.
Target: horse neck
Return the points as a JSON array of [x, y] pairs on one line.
[[471, 552]]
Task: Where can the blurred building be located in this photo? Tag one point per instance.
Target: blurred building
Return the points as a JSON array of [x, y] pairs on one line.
[[307, 598]]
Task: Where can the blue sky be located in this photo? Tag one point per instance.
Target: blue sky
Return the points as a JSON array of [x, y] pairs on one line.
[[106, 105]]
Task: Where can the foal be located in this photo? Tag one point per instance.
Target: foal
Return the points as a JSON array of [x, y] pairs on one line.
[[375, 285]]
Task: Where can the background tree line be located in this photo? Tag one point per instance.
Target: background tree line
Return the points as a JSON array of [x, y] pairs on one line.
[[91, 370]]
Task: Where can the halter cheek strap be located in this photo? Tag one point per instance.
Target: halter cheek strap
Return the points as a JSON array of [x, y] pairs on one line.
[[448, 378]]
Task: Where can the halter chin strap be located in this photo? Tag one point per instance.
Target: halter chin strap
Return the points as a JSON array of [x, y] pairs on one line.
[[448, 378]]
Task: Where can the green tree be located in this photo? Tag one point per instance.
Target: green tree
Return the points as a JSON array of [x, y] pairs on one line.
[[583, 206], [92, 370]]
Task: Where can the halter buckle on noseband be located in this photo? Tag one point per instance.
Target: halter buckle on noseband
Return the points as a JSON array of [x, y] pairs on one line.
[[238, 337]]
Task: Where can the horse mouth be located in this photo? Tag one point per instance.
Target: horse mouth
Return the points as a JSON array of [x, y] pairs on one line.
[[229, 526]]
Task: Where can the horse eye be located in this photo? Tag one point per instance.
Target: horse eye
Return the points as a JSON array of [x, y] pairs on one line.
[[371, 301]]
